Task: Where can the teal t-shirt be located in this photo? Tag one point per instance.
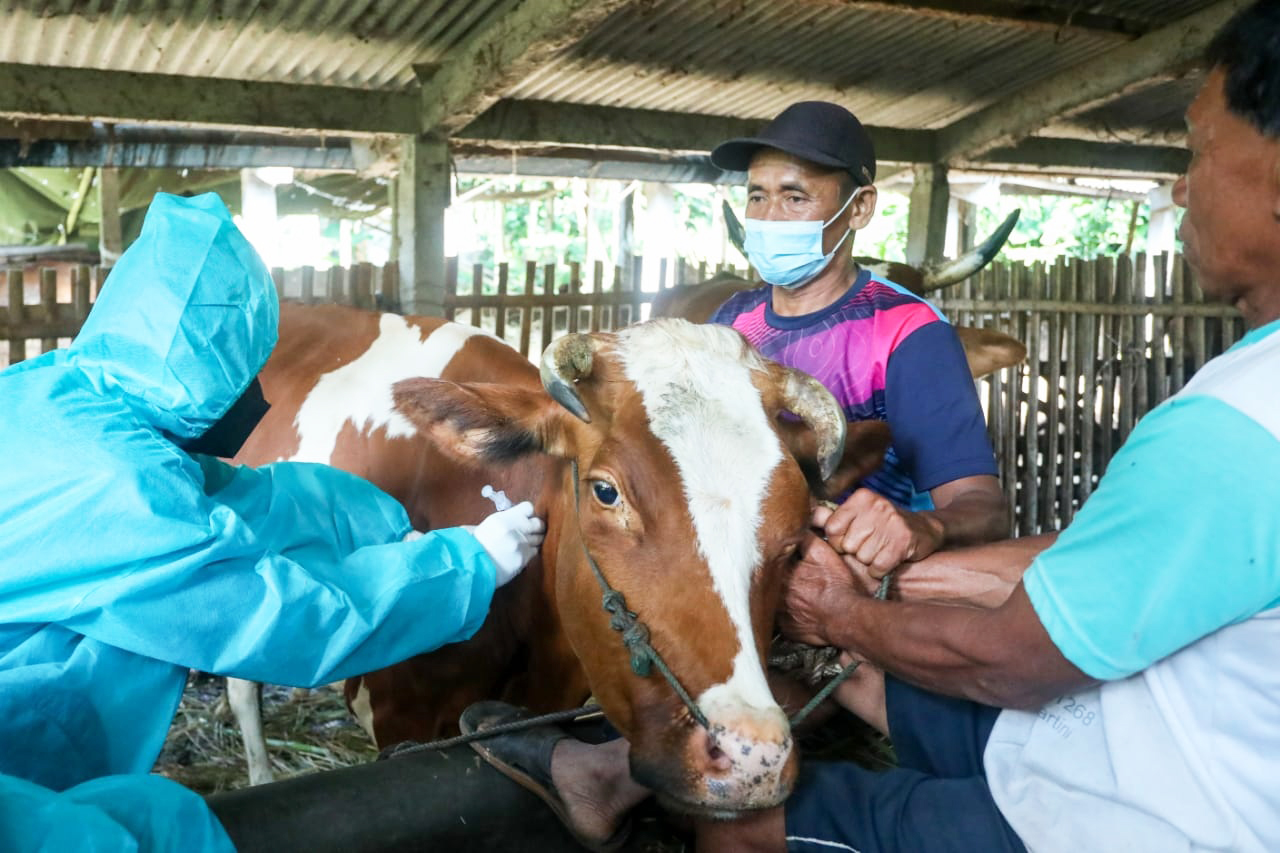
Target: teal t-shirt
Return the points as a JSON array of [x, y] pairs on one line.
[[1182, 536]]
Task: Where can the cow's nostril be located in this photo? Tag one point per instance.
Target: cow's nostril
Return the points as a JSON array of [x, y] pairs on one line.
[[717, 758]]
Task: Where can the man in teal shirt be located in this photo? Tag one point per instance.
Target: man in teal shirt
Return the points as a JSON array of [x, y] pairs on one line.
[[128, 557]]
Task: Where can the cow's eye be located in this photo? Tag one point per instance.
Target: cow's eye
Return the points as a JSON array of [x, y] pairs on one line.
[[605, 492]]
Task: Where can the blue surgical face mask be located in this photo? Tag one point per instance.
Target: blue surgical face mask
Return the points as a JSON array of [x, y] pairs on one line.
[[788, 253]]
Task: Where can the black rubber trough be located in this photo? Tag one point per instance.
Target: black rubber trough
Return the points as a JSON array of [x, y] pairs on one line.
[[434, 800]]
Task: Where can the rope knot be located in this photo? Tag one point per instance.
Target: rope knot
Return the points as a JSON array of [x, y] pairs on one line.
[[636, 638], [614, 602]]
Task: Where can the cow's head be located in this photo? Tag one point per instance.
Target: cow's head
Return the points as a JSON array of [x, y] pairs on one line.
[[695, 460]]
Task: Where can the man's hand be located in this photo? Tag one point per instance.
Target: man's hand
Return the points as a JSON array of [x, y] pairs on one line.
[[870, 529], [817, 593], [511, 538]]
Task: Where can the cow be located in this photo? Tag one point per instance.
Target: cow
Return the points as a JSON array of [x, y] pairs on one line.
[[692, 495]]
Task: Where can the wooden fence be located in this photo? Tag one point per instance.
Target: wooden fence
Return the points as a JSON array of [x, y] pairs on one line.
[[46, 305], [528, 311], [1102, 349], [44, 308]]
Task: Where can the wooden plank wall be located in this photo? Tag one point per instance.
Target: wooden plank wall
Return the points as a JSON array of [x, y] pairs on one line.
[[531, 306], [1103, 350], [45, 307]]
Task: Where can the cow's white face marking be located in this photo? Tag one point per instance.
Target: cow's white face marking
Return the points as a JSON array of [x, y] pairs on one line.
[[360, 391], [695, 382]]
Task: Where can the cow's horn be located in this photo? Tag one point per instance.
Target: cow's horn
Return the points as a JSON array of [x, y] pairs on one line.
[[949, 272], [806, 397], [563, 363]]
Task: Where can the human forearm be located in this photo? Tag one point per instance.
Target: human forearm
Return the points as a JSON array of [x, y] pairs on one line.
[[1001, 656], [980, 575], [240, 614], [969, 511]]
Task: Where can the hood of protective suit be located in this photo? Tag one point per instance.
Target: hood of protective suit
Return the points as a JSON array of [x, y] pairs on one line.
[[186, 319]]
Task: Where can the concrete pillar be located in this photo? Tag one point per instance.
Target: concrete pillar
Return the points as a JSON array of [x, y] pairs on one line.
[[258, 215], [109, 233], [423, 192], [1162, 227], [927, 219]]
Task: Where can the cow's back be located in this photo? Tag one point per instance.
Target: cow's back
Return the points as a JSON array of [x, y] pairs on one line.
[[328, 382]]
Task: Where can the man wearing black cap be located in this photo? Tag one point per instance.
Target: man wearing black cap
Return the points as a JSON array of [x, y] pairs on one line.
[[885, 353]]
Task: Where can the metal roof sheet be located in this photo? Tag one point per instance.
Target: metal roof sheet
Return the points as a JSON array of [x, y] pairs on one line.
[[892, 63]]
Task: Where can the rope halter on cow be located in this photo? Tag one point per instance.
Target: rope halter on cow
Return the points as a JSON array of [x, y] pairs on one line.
[[635, 634]]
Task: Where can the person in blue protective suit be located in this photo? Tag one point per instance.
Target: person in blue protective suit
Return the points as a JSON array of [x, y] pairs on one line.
[[128, 557]]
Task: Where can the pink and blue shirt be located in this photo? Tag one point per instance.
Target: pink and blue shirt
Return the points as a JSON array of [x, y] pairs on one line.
[[886, 354]]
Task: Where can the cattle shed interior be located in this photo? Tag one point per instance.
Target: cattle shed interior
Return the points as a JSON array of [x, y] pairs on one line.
[[415, 92]]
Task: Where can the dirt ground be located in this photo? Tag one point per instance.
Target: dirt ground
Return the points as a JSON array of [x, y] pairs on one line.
[[305, 733]]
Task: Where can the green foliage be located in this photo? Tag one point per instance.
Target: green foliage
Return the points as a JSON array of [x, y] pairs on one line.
[[543, 221], [1052, 226]]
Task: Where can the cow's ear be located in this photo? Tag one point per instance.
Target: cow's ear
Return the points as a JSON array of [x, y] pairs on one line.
[[482, 420], [865, 443], [988, 350]]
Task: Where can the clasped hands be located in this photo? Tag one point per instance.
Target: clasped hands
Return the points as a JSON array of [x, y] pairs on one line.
[[850, 549]]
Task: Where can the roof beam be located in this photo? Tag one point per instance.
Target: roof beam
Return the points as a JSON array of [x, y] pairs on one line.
[[1138, 63], [518, 38], [1012, 13], [1078, 157], [41, 91], [578, 124], [174, 154], [573, 162]]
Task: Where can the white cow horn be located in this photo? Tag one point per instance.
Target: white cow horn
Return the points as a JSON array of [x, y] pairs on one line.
[[567, 360], [810, 401]]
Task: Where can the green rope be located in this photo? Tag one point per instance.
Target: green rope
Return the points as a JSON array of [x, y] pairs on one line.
[[635, 634], [586, 712]]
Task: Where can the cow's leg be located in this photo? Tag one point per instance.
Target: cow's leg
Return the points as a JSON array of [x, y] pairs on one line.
[[245, 698]]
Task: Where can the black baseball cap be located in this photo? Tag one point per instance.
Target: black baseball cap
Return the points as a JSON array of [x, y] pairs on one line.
[[817, 131]]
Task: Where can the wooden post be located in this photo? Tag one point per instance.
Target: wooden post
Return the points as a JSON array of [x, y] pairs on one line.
[[927, 218], [526, 322], [423, 192], [308, 284], [575, 288], [1088, 356], [49, 307], [548, 312], [17, 312]]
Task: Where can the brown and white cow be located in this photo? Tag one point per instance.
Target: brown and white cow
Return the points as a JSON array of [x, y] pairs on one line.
[[694, 494]]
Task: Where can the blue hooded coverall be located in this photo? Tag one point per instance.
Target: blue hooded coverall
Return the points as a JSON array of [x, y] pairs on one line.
[[125, 562]]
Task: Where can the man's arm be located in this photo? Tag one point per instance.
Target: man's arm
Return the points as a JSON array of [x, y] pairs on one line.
[[979, 576], [971, 510], [1001, 656]]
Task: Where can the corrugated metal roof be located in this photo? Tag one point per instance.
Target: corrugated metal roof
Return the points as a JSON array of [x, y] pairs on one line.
[[750, 58], [891, 65], [356, 43]]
